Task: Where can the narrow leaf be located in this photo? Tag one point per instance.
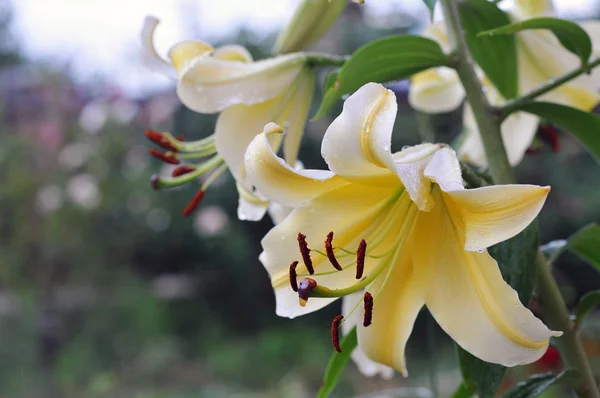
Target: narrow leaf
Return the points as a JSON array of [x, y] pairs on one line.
[[337, 363], [586, 304], [497, 56], [387, 59], [586, 244], [584, 126], [569, 34], [553, 249], [516, 259], [536, 384]]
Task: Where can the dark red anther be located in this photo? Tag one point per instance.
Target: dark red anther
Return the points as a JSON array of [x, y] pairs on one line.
[[305, 252], [330, 253], [193, 203], [361, 252], [368, 299], [335, 332], [180, 137], [305, 286], [294, 276], [159, 139], [164, 157], [552, 135], [154, 181], [181, 170]]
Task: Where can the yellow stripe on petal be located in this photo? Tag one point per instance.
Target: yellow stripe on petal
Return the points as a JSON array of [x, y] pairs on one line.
[[366, 134], [436, 90], [493, 214], [467, 296], [277, 180], [233, 53]]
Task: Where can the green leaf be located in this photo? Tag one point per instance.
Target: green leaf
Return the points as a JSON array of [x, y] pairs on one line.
[[330, 79], [569, 34], [586, 304], [337, 363], [497, 56], [389, 58], [430, 5], [463, 391], [586, 244], [584, 126], [516, 259], [536, 384]]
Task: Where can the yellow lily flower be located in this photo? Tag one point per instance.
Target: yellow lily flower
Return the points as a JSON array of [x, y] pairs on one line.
[[311, 20], [540, 58], [406, 231], [248, 94]]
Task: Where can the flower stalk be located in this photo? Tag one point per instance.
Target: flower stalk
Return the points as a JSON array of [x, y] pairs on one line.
[[488, 122]]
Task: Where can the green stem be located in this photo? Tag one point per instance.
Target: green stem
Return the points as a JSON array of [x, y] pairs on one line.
[[321, 59], [472, 177], [557, 317], [512, 105], [488, 122]]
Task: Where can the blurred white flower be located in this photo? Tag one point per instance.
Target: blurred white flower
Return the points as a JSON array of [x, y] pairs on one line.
[[210, 220], [74, 155], [158, 219], [49, 199], [93, 117], [83, 190]]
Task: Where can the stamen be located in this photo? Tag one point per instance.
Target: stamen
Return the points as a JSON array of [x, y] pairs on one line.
[[330, 253], [180, 137], [294, 276], [368, 299], [162, 156], [305, 252], [305, 286], [181, 170], [160, 139], [335, 332], [360, 258], [191, 206]]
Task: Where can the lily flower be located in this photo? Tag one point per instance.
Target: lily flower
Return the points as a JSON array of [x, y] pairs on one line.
[[401, 230], [540, 58], [248, 94], [311, 20]]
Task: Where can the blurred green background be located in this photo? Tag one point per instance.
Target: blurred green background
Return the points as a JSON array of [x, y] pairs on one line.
[[106, 290]]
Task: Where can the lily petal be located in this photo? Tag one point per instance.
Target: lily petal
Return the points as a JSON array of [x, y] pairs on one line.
[[233, 52], [352, 310], [467, 296], [238, 125], [397, 304], [518, 131], [496, 213], [357, 144], [436, 90], [280, 182], [149, 55], [410, 163], [352, 212], [541, 58], [527, 9], [209, 85], [298, 114], [251, 207], [444, 170]]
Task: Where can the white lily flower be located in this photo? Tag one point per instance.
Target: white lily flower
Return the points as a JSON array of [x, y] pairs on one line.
[[248, 94], [540, 58], [421, 238]]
